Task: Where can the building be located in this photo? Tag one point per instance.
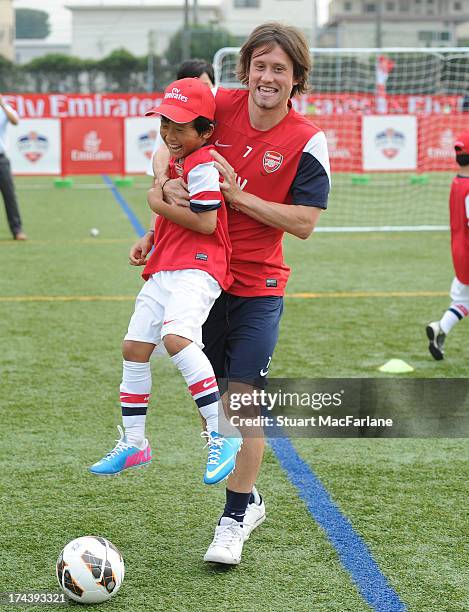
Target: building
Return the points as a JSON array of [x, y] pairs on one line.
[[7, 29], [27, 49], [394, 23], [462, 32], [101, 26], [98, 29], [240, 17]]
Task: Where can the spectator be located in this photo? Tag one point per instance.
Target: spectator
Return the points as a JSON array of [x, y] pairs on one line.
[[8, 115]]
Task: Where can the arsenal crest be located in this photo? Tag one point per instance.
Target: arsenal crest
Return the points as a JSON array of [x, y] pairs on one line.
[[179, 168], [272, 161]]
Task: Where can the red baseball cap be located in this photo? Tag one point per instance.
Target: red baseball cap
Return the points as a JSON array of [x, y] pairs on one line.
[[461, 144], [185, 100]]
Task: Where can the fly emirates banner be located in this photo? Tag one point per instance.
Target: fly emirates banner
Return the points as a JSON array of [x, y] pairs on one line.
[[108, 133]]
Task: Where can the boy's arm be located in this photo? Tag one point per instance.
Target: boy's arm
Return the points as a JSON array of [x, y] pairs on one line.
[[142, 247], [202, 222]]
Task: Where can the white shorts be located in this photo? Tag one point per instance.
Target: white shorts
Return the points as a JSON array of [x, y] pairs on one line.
[[459, 293], [176, 302]]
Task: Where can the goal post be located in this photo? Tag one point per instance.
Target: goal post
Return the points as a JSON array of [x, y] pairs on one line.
[[390, 117]]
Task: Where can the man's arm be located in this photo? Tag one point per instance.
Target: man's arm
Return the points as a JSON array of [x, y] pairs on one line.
[[202, 222], [161, 164], [12, 115], [174, 190], [299, 220]]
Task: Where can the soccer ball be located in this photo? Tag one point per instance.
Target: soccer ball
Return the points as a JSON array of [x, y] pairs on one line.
[[94, 231], [90, 570]]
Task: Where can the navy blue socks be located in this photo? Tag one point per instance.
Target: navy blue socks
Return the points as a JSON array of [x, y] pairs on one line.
[[236, 504]]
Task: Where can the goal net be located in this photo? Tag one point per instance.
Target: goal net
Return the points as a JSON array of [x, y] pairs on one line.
[[390, 116]]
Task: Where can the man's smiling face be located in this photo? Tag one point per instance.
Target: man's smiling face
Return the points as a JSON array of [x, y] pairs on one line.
[[270, 77]]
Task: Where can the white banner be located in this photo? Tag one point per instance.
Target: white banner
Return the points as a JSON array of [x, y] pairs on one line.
[[389, 142], [35, 146], [140, 135]]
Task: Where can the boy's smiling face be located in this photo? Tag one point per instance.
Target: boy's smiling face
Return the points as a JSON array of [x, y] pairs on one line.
[[182, 139]]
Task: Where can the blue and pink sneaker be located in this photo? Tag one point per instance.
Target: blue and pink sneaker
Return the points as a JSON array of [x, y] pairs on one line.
[[122, 456], [221, 460]]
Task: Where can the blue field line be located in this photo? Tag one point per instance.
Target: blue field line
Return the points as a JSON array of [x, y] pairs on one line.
[[352, 550], [138, 227]]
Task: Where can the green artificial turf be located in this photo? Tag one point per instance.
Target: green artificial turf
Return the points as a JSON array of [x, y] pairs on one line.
[[60, 369]]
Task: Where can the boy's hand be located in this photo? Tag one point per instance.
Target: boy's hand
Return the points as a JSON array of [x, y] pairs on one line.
[[140, 249], [175, 193]]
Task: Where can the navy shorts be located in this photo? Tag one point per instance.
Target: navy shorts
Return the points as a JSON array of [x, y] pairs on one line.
[[240, 335]]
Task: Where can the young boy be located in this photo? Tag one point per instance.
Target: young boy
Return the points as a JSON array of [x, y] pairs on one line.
[[184, 276], [459, 222]]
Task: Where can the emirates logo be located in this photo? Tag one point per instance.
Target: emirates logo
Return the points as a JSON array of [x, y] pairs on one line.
[[176, 94], [91, 150]]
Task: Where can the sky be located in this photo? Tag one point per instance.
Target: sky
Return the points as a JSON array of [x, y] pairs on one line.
[[60, 17]]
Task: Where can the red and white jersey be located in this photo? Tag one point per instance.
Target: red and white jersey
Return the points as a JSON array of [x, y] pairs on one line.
[[178, 248], [288, 164], [459, 223]]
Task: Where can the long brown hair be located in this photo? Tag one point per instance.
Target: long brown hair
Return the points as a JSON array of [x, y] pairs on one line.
[[290, 39]]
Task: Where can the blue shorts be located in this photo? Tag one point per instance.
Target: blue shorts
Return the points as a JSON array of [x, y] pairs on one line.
[[240, 335]]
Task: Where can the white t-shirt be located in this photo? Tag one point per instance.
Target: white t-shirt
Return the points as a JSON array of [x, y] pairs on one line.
[[3, 128]]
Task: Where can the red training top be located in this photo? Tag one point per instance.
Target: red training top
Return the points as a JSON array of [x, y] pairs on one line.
[[178, 248], [287, 164]]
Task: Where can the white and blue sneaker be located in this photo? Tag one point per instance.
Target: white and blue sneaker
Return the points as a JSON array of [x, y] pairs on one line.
[[122, 456], [221, 460]]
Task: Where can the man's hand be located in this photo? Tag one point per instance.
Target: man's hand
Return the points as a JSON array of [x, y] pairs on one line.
[[140, 250], [229, 187], [175, 192], [298, 220], [155, 197]]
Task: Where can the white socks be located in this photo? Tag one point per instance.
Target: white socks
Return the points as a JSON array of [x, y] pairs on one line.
[[454, 314], [135, 391], [200, 378], [135, 394]]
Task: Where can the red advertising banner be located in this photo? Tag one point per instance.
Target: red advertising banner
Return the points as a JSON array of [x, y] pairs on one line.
[[91, 146], [34, 106], [93, 139], [316, 104], [436, 137], [344, 141]]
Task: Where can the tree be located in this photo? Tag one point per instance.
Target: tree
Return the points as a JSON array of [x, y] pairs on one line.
[[121, 69], [9, 75], [32, 23], [55, 71], [205, 41]]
